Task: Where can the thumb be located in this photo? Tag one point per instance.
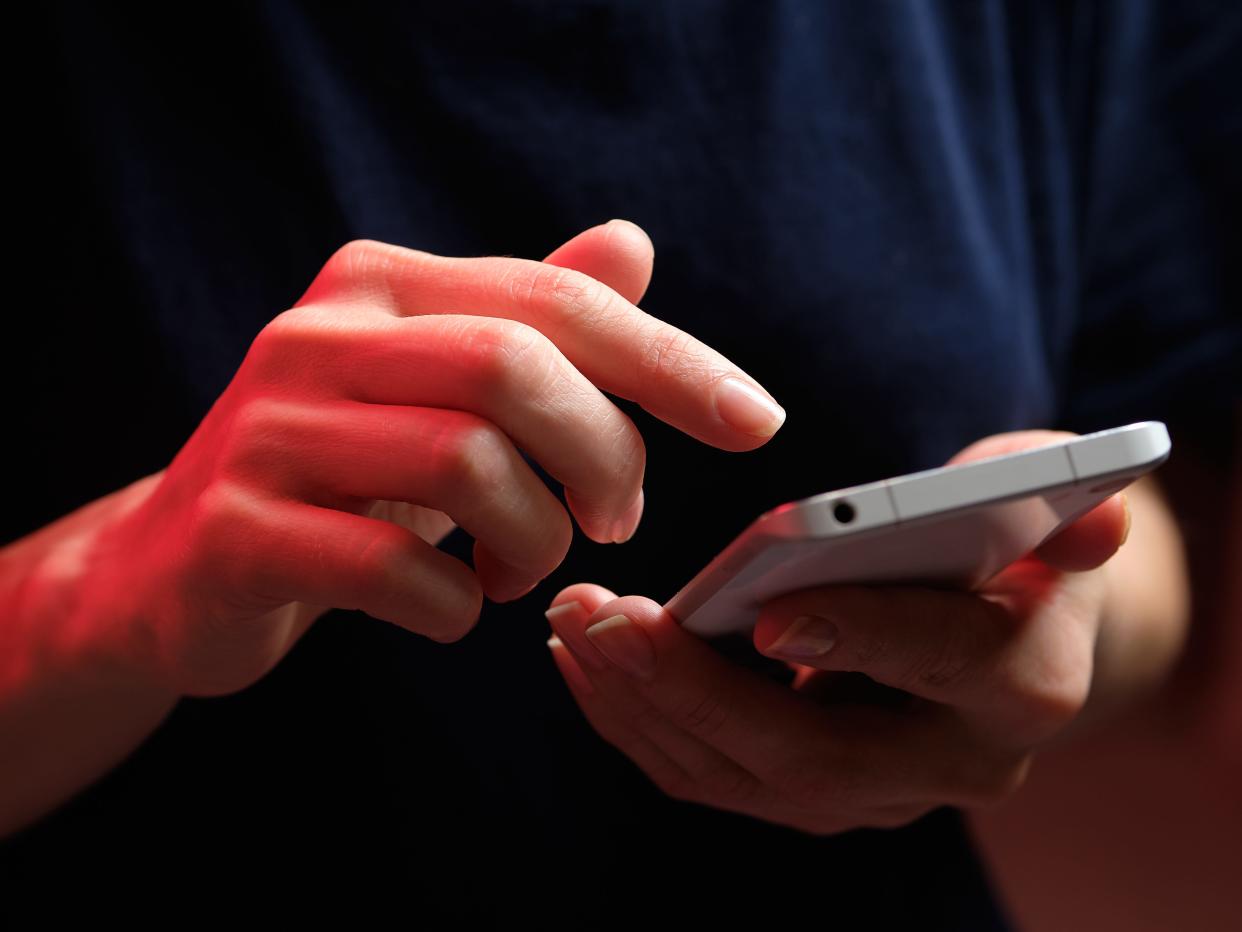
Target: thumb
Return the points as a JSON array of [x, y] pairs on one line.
[[617, 253], [1087, 542], [1092, 539]]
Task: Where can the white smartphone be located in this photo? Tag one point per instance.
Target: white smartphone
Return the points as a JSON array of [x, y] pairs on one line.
[[954, 526]]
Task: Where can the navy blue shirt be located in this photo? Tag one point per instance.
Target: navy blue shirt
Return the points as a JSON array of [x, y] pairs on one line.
[[915, 223]]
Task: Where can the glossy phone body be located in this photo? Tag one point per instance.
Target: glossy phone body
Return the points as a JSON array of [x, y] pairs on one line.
[[953, 526]]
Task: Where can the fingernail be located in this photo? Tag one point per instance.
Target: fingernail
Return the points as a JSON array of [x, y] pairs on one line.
[[748, 409], [1125, 505], [627, 524], [808, 637], [569, 667], [566, 620], [625, 644], [558, 612]]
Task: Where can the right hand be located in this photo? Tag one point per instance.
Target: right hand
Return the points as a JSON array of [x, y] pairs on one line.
[[386, 406]]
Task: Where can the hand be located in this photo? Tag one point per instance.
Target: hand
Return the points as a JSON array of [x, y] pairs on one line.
[[387, 405], [970, 685]]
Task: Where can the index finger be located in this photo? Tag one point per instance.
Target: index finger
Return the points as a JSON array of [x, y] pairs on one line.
[[618, 347], [691, 701], [746, 717]]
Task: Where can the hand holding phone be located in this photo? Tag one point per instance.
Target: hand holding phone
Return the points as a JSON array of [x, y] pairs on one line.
[[992, 675], [955, 526]]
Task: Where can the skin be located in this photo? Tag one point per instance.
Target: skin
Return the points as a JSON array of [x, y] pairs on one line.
[[1148, 807], [973, 685], [387, 406], [431, 372]]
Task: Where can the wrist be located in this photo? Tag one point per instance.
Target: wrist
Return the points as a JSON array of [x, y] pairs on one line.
[[1146, 611], [81, 605]]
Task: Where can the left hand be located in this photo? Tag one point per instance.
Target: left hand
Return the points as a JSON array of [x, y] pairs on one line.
[[984, 680]]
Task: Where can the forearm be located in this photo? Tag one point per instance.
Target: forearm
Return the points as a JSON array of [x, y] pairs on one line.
[[1147, 606], [71, 706]]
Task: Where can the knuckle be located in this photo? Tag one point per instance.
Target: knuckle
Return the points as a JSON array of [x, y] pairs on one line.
[[257, 417], [274, 335], [511, 358], [257, 434], [370, 269], [222, 534], [702, 714], [282, 347], [384, 563], [809, 783], [729, 784], [215, 510], [471, 458], [444, 610], [667, 351], [937, 669], [674, 783], [626, 452], [567, 293], [358, 260]]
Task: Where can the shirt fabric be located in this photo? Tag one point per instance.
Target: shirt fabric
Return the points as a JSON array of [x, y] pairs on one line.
[[915, 223]]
